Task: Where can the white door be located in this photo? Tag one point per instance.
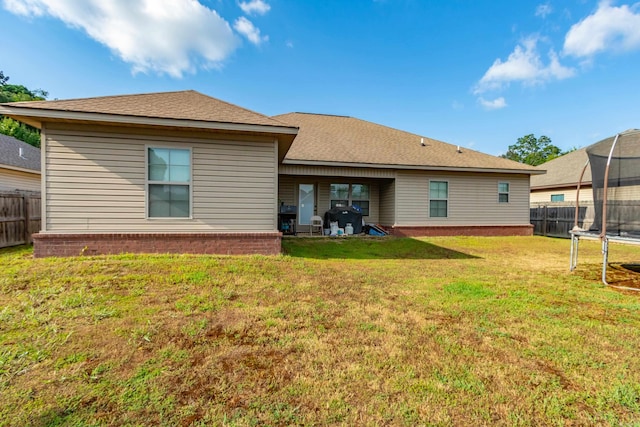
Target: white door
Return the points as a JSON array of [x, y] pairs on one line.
[[306, 203]]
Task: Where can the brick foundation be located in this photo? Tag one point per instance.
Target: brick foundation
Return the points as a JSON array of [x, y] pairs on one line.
[[64, 245], [477, 230]]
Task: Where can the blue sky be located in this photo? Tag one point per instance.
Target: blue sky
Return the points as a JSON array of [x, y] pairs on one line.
[[471, 73]]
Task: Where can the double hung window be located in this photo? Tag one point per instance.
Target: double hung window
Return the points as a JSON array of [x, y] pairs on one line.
[[438, 199], [168, 182], [503, 192]]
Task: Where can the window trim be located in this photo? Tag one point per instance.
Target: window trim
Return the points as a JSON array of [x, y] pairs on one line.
[[508, 192], [438, 199], [148, 182]]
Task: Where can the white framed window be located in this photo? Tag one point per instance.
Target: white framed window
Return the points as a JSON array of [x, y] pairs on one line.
[[503, 192], [557, 197], [339, 195], [360, 198], [356, 195], [438, 199], [168, 182]]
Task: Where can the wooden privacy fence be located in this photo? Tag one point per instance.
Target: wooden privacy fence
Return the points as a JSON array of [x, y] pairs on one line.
[[557, 221], [19, 218]]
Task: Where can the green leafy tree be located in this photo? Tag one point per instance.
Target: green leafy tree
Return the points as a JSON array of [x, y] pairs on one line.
[[17, 93], [533, 151]]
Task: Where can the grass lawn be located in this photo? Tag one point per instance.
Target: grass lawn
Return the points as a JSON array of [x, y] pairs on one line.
[[439, 331]]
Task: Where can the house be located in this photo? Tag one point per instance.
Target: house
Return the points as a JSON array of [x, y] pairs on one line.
[[184, 172], [168, 172], [19, 165], [559, 185], [412, 185]]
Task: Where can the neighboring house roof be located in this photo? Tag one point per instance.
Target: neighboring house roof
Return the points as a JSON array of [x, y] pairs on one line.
[[563, 171], [347, 141], [18, 155]]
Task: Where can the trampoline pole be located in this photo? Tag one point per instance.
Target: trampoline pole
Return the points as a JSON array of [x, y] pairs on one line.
[[605, 259], [573, 262], [603, 235], [605, 188], [584, 169], [571, 254]]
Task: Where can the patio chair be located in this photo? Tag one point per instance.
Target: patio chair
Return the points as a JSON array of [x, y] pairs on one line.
[[316, 221]]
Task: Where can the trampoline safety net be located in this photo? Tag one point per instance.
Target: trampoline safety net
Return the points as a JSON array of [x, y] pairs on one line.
[[617, 214]]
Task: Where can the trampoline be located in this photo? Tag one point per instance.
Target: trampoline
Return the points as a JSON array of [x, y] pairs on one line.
[[615, 176]]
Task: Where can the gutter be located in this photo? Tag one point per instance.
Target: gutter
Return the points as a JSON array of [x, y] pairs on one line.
[[19, 169]]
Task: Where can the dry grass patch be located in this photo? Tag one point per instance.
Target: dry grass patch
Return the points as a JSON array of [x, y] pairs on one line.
[[441, 331]]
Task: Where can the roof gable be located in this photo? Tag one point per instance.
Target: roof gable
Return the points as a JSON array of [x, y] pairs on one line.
[[341, 139], [185, 105], [563, 171], [11, 150]]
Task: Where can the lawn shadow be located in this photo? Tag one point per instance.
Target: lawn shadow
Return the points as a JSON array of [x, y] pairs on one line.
[[17, 249], [618, 275], [367, 248]]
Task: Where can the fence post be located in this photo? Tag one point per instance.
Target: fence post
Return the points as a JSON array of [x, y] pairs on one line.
[[27, 220], [544, 221]]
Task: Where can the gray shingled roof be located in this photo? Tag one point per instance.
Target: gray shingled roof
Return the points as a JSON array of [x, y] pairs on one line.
[[563, 171], [10, 154], [187, 105], [327, 138]]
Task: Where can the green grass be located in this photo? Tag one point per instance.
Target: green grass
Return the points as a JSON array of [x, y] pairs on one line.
[[439, 331]]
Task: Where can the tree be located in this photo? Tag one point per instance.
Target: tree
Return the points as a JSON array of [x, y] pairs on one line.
[[533, 151], [17, 93]]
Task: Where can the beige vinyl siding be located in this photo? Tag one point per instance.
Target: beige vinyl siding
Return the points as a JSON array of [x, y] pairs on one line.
[[287, 190], [12, 180], [96, 182], [631, 192], [537, 197], [387, 203], [473, 199]]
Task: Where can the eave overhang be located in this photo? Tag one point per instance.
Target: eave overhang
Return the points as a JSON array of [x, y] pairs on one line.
[[569, 186], [19, 169], [411, 167]]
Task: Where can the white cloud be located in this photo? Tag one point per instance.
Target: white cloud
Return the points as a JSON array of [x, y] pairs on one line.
[[24, 7], [163, 36], [496, 104], [608, 28], [247, 29], [258, 7], [543, 10], [525, 65]]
